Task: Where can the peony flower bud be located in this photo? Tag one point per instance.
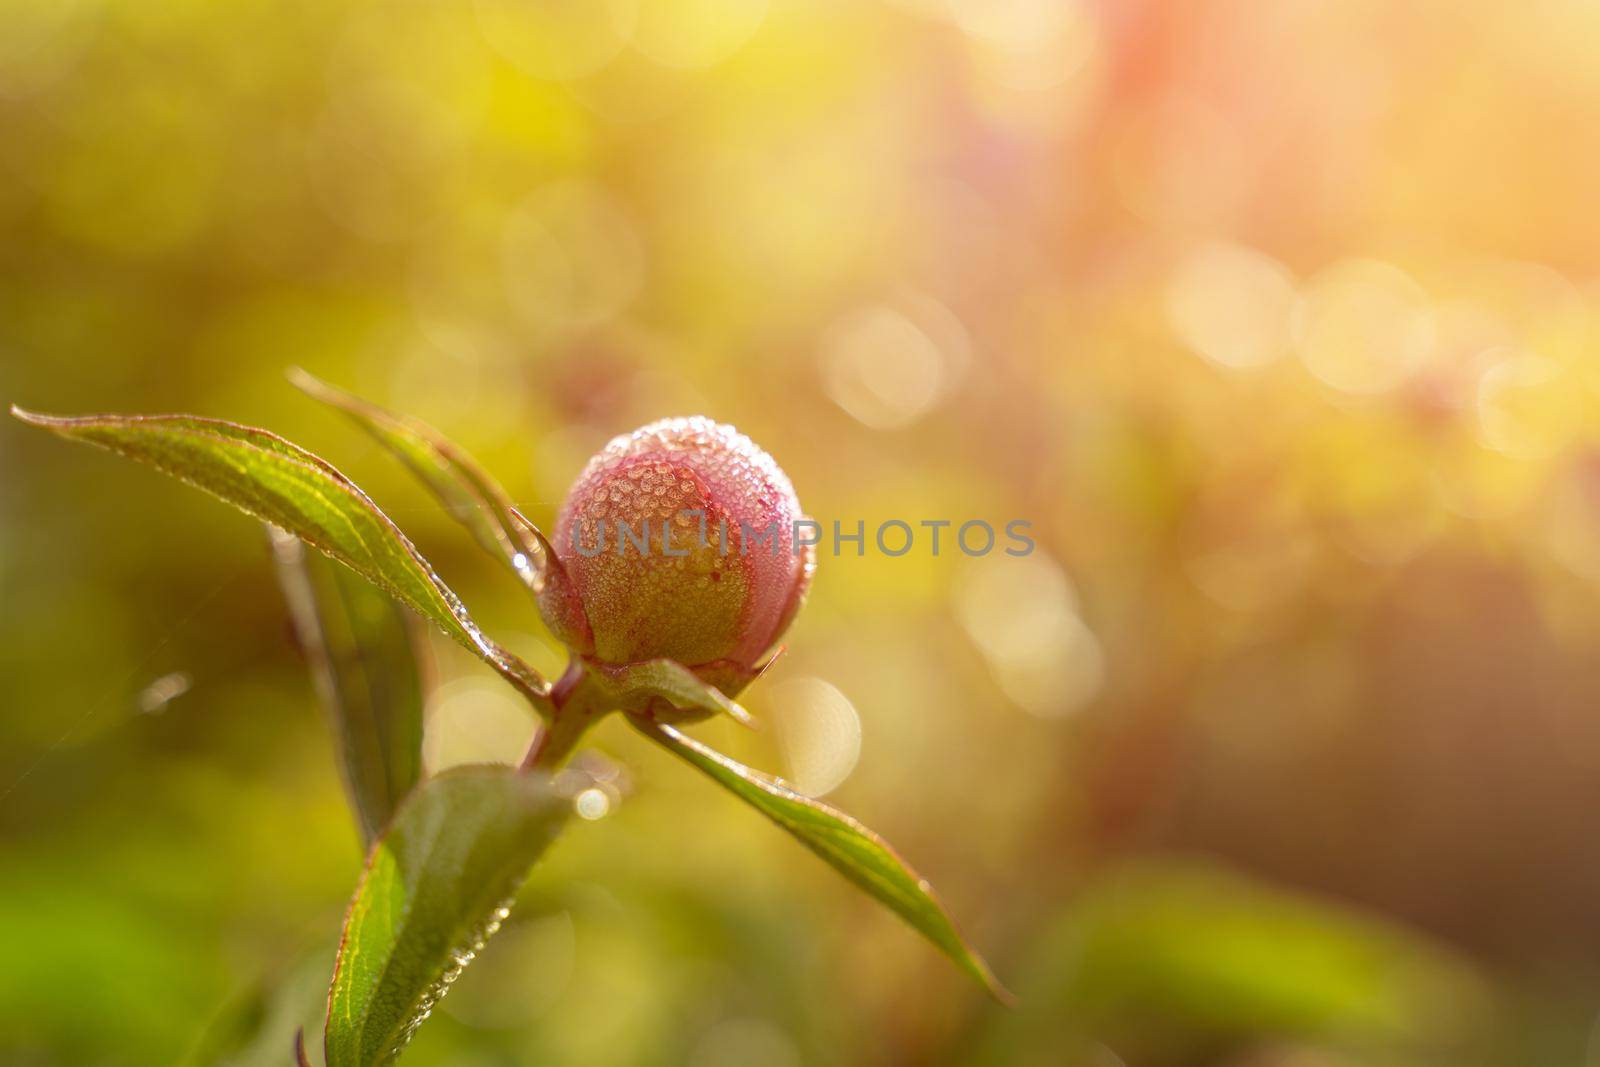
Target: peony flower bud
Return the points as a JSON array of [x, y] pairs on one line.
[[719, 577]]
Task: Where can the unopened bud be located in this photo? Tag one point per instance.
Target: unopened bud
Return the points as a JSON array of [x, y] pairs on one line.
[[677, 541]]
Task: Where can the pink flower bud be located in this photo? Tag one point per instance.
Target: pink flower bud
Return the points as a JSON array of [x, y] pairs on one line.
[[719, 577]]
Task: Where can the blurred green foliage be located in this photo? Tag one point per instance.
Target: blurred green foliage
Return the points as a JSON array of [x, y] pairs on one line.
[[1277, 320]]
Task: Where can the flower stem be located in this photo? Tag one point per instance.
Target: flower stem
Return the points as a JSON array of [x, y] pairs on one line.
[[577, 707]]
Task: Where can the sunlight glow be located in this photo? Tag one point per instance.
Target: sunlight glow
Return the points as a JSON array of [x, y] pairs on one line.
[[888, 365], [1364, 326], [571, 257], [1232, 305], [593, 803], [474, 720], [819, 733], [1022, 614]]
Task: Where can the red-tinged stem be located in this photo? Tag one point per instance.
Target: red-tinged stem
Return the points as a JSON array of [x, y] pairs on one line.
[[576, 709]]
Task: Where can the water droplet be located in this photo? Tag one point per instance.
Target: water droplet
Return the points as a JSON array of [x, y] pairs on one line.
[[593, 803], [459, 958]]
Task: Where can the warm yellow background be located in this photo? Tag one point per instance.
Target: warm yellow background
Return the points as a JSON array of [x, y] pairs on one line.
[[1278, 319]]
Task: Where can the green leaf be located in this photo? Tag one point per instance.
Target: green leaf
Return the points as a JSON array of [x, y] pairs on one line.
[[468, 491], [360, 648], [635, 686], [1218, 953], [479, 503], [436, 885], [283, 484], [849, 847]]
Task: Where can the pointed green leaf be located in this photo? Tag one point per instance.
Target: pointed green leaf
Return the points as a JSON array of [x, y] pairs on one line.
[[436, 885], [849, 847], [283, 484], [360, 648], [468, 491], [634, 686]]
